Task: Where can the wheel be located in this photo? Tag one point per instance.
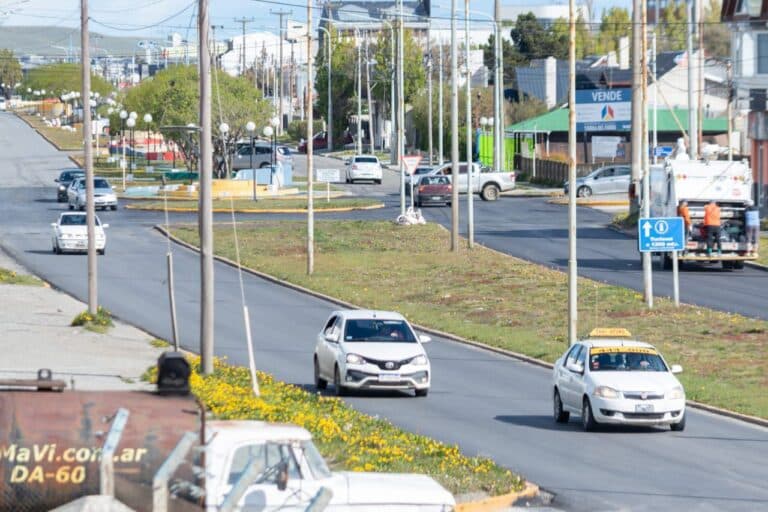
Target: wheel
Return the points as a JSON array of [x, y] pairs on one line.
[[588, 422], [71, 207], [113, 207], [378, 182], [418, 203], [56, 249], [727, 265], [421, 392], [561, 416], [338, 388], [490, 192], [666, 261], [319, 383], [679, 426], [738, 265], [448, 204], [584, 192], [264, 164], [81, 207], [102, 251]]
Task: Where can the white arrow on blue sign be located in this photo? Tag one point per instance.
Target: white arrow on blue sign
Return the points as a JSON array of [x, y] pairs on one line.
[[661, 234]]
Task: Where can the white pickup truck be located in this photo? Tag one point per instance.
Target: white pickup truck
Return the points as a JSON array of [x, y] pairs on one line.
[[488, 184], [291, 474]]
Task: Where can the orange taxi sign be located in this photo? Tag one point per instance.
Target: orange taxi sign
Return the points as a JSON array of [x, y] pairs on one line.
[[610, 332]]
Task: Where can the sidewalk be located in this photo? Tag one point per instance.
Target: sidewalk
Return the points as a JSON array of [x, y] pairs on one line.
[[37, 334]]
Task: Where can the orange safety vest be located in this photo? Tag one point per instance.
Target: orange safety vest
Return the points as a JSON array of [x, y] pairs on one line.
[[711, 215], [683, 212]]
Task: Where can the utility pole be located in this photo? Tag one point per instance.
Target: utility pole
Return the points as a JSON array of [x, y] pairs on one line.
[[454, 133], [205, 212], [700, 71], [637, 104], [359, 84], [693, 138], [498, 97], [243, 22], [368, 92], [440, 151], [214, 49], [573, 277], [729, 68], [401, 108], [655, 94], [470, 170], [310, 148], [647, 262], [280, 13], [90, 210], [429, 92]]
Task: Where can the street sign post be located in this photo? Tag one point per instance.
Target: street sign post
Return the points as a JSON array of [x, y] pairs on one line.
[[411, 162], [663, 234], [327, 176], [663, 151]]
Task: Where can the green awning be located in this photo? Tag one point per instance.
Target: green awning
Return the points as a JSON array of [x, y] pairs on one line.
[[557, 121]]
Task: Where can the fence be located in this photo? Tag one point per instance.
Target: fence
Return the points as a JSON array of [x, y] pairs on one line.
[[552, 172]]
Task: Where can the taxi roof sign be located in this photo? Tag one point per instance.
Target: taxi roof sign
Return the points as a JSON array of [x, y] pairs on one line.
[[610, 332]]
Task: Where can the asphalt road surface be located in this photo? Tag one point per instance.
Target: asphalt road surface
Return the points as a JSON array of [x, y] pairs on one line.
[[488, 404]]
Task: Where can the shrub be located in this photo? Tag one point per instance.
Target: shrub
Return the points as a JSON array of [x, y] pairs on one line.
[[99, 322]]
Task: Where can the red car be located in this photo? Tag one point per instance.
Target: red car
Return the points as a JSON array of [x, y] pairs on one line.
[[433, 189], [320, 141]]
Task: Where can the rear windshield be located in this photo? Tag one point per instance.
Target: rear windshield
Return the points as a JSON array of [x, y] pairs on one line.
[[435, 180], [378, 331], [367, 159], [100, 183], [71, 175], [422, 170], [625, 359]]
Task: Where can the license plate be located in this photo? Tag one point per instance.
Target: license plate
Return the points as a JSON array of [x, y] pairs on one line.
[[436, 198], [644, 408], [390, 377]]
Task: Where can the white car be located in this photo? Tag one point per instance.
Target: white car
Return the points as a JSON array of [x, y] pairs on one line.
[[70, 234], [103, 194], [607, 379], [363, 349], [364, 167]]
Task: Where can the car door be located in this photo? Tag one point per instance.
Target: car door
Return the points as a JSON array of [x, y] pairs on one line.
[[568, 383], [603, 181], [326, 350], [621, 180]]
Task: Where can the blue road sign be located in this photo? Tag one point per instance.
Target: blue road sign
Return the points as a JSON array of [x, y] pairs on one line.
[[661, 234], [663, 151]]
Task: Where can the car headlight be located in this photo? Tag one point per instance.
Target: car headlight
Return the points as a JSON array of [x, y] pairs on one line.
[[355, 359], [419, 360], [676, 393], [62, 188], [606, 392]]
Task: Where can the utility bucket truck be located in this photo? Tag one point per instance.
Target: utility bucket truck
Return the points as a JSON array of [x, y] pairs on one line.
[[728, 183]]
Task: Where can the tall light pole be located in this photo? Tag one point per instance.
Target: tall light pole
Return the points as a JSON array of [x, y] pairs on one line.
[[470, 170], [573, 283], [440, 150], [647, 270], [368, 93], [359, 144], [90, 213], [310, 150], [401, 107], [250, 127], [693, 138], [205, 212], [498, 82], [429, 92], [280, 86], [454, 133], [329, 128], [123, 116], [134, 116], [147, 122]]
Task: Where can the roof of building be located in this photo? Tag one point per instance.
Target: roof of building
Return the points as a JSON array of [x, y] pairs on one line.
[[744, 10], [557, 121], [361, 13]]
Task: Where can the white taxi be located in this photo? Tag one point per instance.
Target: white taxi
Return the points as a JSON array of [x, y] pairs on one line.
[[611, 379]]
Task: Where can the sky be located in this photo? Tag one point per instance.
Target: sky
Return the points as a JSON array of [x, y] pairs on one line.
[[158, 18]]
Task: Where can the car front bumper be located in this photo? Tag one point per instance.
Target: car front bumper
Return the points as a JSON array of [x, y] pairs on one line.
[[100, 202], [369, 376], [637, 412], [77, 245]]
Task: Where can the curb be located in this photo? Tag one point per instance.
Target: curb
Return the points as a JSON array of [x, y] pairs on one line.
[[498, 502], [515, 355], [254, 210], [587, 202]]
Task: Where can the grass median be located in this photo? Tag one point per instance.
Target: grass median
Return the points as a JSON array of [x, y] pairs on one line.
[[503, 301], [300, 204], [65, 140]]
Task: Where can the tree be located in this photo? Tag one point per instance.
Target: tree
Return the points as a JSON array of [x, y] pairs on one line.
[[63, 78], [717, 36], [172, 97], [10, 71], [530, 38], [614, 25], [512, 58], [559, 34], [674, 26], [414, 69], [343, 73]]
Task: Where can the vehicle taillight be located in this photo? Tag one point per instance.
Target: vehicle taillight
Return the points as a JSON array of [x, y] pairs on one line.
[[421, 188]]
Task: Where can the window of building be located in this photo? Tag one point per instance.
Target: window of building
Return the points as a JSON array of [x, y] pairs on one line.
[[762, 53]]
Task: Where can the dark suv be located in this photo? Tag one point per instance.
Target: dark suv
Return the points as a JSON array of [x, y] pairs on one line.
[[66, 177]]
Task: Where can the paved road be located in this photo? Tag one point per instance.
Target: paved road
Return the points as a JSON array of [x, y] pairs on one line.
[[486, 403]]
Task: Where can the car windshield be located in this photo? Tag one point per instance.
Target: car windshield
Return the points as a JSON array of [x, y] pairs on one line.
[[375, 330], [366, 159], [100, 183], [625, 359], [422, 170], [75, 220], [70, 175], [315, 461]]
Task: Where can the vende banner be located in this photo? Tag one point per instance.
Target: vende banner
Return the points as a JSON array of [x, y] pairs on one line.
[[603, 110]]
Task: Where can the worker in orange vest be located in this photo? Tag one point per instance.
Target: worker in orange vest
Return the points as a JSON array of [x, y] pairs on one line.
[[712, 225], [685, 213]]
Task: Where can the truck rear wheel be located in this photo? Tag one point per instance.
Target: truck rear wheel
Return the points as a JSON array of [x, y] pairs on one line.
[[738, 265], [667, 261], [490, 192]]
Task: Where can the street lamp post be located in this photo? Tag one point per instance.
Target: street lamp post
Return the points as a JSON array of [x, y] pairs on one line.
[[329, 129], [130, 123], [123, 115], [274, 122], [134, 116], [250, 127], [147, 121]]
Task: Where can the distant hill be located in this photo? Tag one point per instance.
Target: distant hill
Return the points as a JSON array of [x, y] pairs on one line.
[[43, 41]]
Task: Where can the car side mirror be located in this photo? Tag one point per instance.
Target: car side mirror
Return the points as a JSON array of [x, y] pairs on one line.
[[423, 338], [282, 475], [56, 180], [575, 367], [53, 224], [105, 226], [676, 368], [332, 337]]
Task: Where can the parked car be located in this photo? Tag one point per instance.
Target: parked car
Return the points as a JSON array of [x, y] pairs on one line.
[[103, 194], [364, 167], [610, 379], [66, 177], [433, 190], [70, 234], [362, 349], [320, 141], [613, 179], [2, 103]]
